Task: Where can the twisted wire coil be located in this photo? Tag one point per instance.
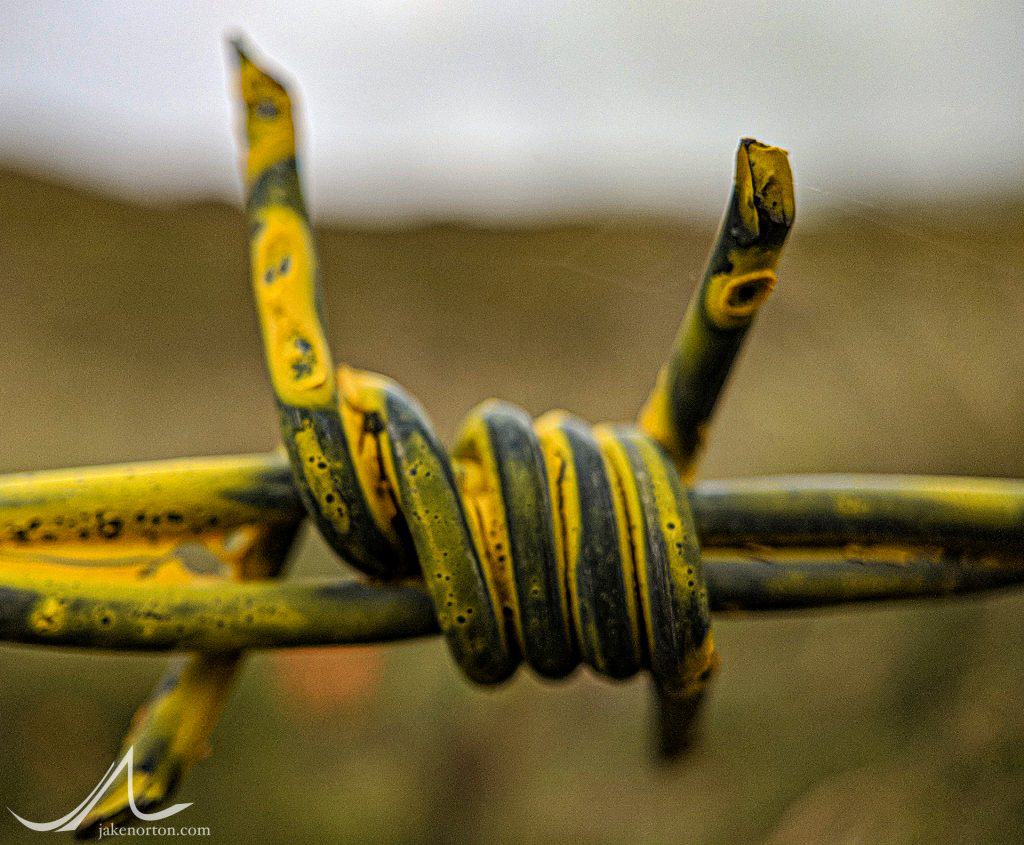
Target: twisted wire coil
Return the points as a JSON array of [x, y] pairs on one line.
[[548, 542], [544, 541]]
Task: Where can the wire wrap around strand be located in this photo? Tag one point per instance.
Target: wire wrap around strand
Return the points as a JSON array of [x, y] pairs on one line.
[[552, 543]]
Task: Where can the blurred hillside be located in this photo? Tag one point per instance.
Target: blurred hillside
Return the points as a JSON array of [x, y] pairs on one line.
[[892, 344]]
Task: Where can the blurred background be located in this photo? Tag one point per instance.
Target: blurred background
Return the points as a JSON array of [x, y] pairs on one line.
[[516, 200]]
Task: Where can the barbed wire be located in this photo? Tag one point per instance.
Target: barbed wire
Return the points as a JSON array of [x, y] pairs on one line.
[[549, 541]]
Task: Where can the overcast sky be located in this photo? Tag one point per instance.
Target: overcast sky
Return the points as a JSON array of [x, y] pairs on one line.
[[513, 109]]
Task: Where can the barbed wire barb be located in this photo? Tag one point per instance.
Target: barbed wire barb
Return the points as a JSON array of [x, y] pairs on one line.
[[548, 542]]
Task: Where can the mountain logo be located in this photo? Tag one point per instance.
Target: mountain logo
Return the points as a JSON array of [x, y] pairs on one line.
[[73, 819]]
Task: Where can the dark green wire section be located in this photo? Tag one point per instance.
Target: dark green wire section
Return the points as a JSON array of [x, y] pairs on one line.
[[768, 544], [285, 279], [219, 618], [739, 277], [242, 615]]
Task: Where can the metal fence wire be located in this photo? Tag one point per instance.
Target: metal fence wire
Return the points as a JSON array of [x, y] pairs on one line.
[[545, 541]]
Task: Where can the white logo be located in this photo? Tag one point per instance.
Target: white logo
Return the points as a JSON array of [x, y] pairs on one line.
[[73, 819]]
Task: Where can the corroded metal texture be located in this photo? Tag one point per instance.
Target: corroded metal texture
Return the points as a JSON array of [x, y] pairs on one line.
[[546, 541], [549, 542], [739, 277], [794, 541], [117, 529]]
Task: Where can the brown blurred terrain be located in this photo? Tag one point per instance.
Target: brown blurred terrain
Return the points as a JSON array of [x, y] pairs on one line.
[[893, 344]]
